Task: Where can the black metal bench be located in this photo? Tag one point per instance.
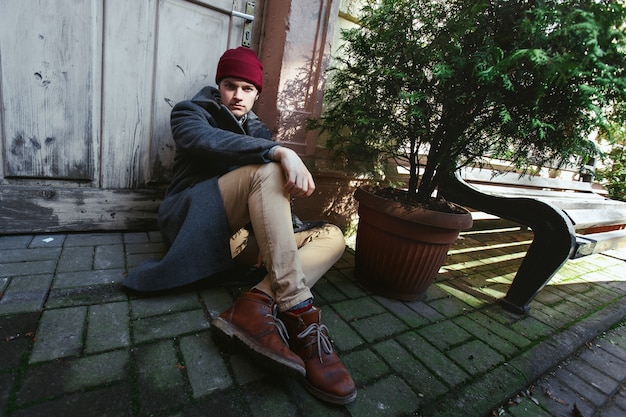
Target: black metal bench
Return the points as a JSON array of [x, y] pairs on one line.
[[569, 219]]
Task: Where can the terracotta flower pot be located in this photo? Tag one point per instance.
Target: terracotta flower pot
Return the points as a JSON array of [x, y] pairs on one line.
[[400, 248]]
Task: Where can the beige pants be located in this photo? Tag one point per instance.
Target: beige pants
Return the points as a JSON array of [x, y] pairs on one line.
[[294, 261]]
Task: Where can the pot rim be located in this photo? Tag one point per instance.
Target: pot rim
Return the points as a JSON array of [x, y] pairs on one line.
[[460, 221]]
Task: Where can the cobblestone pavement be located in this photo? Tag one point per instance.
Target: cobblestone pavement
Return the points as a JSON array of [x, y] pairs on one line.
[[72, 343]]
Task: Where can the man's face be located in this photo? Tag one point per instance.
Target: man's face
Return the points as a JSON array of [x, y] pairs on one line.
[[238, 95]]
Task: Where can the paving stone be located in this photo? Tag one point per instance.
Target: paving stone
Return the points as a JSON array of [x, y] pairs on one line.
[[60, 334], [56, 378], [467, 299], [205, 367], [487, 336], [344, 284], [499, 329], [560, 399], [108, 327], [15, 242], [417, 375], [16, 269], [612, 347], [159, 377], [88, 278], [96, 403], [379, 326], [425, 311], [268, 397], [550, 295], [531, 328], [444, 334], [477, 398], [475, 357], [496, 291], [433, 359], [610, 364], [404, 312], [25, 294], [617, 338], [100, 369], [156, 305], [6, 386], [135, 237], [343, 336], [47, 240], [28, 255], [216, 300], [584, 388], [167, 326], [358, 309], [16, 338], [390, 396], [78, 258], [593, 376], [244, 369], [527, 408], [93, 239], [228, 403], [309, 406], [109, 257], [324, 290], [550, 316], [84, 295], [133, 260], [620, 397], [612, 411], [154, 248], [364, 365]]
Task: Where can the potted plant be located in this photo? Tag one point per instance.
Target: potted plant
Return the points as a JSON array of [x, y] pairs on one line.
[[434, 85]]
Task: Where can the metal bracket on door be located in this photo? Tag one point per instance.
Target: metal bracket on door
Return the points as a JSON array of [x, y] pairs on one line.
[[246, 38]]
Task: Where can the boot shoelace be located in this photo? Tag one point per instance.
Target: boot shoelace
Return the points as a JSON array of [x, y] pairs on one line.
[[320, 332], [278, 323]]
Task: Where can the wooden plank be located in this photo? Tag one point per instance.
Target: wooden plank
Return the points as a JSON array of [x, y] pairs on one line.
[[185, 63], [594, 217], [506, 191], [128, 77], [599, 242], [514, 179], [29, 210], [50, 88]]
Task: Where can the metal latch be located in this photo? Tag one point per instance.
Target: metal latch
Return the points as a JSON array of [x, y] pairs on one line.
[[246, 38]]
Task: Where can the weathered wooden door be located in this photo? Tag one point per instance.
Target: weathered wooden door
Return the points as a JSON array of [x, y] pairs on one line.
[[86, 89]]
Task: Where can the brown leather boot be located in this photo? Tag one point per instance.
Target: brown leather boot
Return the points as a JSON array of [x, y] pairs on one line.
[[326, 377], [251, 321]]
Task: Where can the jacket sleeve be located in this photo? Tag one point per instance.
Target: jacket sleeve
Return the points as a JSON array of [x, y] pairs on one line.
[[196, 132]]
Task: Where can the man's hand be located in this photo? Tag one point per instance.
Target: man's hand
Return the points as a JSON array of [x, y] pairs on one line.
[[299, 180]]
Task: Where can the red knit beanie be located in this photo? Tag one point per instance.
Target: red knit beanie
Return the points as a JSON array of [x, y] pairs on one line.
[[240, 63]]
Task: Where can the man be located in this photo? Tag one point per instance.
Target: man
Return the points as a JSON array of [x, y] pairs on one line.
[[228, 174]]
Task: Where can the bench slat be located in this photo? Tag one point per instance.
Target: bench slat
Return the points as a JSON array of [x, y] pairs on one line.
[[585, 219], [514, 179], [599, 242]]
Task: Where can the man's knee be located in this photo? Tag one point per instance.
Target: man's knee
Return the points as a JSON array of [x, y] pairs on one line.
[[270, 171], [335, 236]]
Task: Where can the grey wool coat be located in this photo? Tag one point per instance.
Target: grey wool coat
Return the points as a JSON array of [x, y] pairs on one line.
[[209, 142]]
